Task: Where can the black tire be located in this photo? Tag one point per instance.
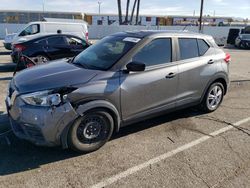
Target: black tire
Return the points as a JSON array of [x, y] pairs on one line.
[[91, 131], [207, 100], [241, 46]]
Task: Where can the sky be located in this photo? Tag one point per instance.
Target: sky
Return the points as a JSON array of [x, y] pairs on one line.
[[234, 8]]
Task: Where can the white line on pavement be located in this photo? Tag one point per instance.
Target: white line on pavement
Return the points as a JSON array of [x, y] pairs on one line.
[[159, 158]]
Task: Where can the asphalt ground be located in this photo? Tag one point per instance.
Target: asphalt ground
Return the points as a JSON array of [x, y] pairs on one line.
[[181, 149]]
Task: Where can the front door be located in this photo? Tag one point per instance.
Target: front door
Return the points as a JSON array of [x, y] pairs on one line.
[[154, 89]]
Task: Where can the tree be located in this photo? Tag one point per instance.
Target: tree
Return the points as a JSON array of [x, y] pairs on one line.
[[137, 13], [133, 10], [119, 11], [127, 8]]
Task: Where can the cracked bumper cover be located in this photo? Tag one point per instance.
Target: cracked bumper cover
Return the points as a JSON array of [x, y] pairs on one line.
[[40, 125]]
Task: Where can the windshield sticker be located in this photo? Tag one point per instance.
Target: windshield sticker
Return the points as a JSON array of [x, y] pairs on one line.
[[131, 39]]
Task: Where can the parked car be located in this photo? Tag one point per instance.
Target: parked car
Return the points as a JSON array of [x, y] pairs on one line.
[[122, 79], [49, 47], [49, 26], [243, 41], [232, 35]]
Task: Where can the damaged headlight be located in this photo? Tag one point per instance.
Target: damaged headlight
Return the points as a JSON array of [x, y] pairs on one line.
[[42, 98]]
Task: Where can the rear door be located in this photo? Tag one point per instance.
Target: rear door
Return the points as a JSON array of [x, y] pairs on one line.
[[196, 67], [57, 47], [154, 89]]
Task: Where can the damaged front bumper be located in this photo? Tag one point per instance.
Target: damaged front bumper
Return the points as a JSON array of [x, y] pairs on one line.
[[39, 125]]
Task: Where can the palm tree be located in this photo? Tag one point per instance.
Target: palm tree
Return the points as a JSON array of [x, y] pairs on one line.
[[127, 8], [133, 10], [137, 13], [119, 11]]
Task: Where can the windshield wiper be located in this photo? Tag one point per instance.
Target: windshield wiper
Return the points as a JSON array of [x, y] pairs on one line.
[[70, 60]]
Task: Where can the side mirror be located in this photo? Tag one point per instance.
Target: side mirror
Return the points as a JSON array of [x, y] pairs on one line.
[[135, 67]]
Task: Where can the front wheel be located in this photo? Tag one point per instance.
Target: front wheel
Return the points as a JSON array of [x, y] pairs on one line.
[[213, 97], [91, 131]]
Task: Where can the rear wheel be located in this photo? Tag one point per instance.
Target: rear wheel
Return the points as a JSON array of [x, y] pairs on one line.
[[213, 97], [91, 131]]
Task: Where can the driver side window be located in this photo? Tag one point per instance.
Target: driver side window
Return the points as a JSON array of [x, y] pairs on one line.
[[31, 30], [158, 51]]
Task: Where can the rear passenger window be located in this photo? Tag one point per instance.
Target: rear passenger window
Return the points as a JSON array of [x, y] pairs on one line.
[[188, 48], [203, 47], [158, 51], [42, 42], [56, 41]]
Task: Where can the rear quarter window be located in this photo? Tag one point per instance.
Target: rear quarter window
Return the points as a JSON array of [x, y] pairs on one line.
[[203, 47]]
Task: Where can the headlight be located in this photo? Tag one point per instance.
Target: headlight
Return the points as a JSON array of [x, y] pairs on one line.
[[42, 98]]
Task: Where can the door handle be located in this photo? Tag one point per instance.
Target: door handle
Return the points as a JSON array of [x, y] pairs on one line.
[[211, 61], [170, 75]]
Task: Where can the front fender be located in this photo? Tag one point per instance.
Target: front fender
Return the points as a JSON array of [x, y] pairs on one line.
[[83, 108], [101, 104]]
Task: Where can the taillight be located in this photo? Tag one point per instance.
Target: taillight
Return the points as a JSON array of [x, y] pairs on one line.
[[227, 59], [19, 47]]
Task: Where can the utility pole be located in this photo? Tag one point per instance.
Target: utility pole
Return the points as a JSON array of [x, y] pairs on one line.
[[127, 8], [201, 16], [137, 13], [133, 10], [99, 4], [43, 5], [119, 11]]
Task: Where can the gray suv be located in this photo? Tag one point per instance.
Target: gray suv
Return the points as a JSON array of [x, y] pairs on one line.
[[123, 78]]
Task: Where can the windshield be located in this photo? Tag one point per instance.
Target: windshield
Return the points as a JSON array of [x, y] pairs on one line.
[[105, 53]]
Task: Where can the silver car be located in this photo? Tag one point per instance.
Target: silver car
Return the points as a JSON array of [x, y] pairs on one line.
[[124, 78]]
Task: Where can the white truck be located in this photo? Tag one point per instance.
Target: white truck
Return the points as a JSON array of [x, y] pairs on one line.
[[48, 26]]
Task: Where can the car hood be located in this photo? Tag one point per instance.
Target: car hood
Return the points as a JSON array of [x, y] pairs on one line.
[[52, 75]]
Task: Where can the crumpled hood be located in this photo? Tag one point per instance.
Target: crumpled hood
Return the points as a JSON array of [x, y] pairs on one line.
[[53, 75]]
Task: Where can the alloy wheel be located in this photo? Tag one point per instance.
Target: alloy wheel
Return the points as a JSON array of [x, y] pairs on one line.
[[214, 97]]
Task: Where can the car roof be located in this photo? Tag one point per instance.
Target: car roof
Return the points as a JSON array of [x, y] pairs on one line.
[[43, 36], [148, 33], [55, 35]]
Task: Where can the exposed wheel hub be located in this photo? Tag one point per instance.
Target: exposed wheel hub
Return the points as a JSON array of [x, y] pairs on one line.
[[92, 130]]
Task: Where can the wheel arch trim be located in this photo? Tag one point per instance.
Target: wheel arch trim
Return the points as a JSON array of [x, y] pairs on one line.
[[83, 108], [216, 77]]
